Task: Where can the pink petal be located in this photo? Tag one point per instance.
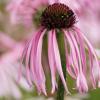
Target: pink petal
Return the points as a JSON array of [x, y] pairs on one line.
[[82, 86], [51, 61], [27, 63], [38, 64], [69, 61], [91, 54], [81, 83], [92, 70], [82, 50], [58, 60], [73, 54], [77, 51], [92, 50], [29, 54], [34, 68]]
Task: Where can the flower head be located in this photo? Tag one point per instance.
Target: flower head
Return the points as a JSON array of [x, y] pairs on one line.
[[59, 17]]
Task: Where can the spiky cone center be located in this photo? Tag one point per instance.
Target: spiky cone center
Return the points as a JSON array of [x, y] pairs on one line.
[[58, 16]]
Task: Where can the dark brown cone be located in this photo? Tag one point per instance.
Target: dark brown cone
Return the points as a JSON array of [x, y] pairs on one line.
[[58, 16]]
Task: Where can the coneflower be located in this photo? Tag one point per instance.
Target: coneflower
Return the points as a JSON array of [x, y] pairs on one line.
[[59, 17], [21, 11]]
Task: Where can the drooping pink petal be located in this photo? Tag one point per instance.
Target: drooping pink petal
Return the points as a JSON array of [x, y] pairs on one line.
[[77, 51], [34, 55], [81, 86], [84, 87], [73, 55], [82, 50], [23, 57], [94, 54], [91, 55], [81, 83], [27, 63], [38, 64], [25, 54], [58, 60], [68, 61], [33, 67], [29, 55], [51, 61], [92, 70]]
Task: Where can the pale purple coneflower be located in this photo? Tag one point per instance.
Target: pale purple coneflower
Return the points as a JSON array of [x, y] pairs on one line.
[[8, 75], [24, 11], [9, 65], [21, 11], [58, 16]]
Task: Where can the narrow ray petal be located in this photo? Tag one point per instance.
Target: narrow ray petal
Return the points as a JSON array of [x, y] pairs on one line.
[[51, 61], [82, 50], [81, 86], [35, 77], [73, 55], [81, 83], [38, 63], [27, 62], [69, 62], [58, 60], [91, 55], [92, 50]]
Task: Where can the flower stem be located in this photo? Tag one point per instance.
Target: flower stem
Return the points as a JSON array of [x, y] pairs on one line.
[[60, 92]]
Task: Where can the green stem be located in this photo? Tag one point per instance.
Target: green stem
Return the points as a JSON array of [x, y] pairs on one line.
[[60, 92], [61, 89]]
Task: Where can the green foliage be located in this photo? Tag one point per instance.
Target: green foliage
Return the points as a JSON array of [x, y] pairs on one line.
[[94, 95]]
